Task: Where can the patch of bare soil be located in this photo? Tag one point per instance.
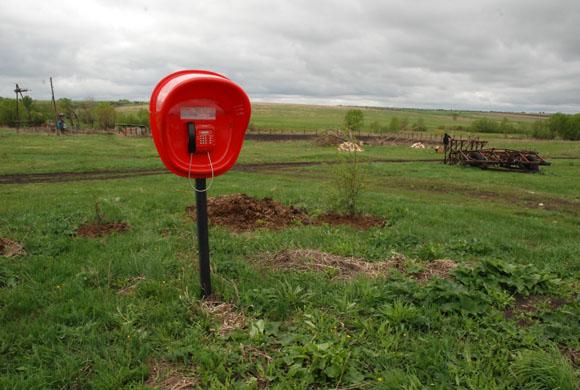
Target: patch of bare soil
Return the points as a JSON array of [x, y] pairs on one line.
[[165, 376], [241, 212], [229, 316], [359, 221], [94, 229], [9, 248], [524, 307]]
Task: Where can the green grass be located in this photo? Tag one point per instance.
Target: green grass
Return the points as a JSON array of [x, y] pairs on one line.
[[63, 322], [298, 117]]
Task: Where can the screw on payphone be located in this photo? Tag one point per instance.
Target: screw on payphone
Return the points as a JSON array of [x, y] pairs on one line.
[[201, 138]]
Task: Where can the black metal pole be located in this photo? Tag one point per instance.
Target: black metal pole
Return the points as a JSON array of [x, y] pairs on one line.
[[202, 237]]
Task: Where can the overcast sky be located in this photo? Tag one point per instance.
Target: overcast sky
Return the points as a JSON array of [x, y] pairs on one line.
[[521, 55]]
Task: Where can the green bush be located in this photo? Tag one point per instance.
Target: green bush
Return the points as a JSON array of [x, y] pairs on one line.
[[541, 130], [419, 125], [566, 126]]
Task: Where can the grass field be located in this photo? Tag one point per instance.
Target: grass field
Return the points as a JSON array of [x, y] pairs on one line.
[[297, 117], [122, 311]]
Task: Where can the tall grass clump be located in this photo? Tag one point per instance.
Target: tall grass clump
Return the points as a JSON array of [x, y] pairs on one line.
[[541, 370]]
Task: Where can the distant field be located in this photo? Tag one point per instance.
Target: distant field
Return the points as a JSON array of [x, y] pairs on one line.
[[296, 117]]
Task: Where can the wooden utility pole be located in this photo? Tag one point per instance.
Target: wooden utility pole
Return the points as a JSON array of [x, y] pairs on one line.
[[18, 91], [54, 107]]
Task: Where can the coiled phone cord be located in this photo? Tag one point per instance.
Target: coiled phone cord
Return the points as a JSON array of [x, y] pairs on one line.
[[189, 174]]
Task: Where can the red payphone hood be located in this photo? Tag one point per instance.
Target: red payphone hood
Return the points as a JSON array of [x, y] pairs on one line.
[[210, 99]]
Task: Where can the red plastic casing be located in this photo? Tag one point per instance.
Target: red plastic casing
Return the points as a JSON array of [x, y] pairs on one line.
[[211, 101]]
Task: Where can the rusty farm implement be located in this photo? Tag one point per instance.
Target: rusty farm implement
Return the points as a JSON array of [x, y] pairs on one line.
[[471, 152]]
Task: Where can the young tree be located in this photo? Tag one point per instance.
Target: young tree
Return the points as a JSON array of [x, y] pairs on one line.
[[353, 120]]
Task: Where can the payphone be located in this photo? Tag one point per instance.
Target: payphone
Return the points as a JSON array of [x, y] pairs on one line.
[[198, 121]]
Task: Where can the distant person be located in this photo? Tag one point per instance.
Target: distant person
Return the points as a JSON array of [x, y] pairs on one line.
[[60, 126]]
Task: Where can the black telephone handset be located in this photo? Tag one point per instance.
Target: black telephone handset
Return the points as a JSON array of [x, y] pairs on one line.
[[200, 139], [191, 139]]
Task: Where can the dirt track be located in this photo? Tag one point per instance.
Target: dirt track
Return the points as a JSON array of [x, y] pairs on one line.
[[62, 177]]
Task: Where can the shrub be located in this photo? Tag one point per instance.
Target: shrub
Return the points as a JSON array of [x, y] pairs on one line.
[[566, 126], [541, 130], [105, 115], [395, 124], [419, 125]]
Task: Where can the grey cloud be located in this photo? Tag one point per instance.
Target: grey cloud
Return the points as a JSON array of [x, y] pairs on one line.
[[486, 54]]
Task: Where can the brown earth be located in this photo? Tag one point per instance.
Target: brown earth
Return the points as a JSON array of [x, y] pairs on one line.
[[9, 248], [342, 267], [61, 177], [95, 229], [240, 212], [166, 376], [360, 221], [525, 307]]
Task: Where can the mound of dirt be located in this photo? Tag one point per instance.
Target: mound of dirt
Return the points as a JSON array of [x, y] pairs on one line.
[[359, 221], [93, 229], [330, 138], [241, 212], [9, 248], [227, 314]]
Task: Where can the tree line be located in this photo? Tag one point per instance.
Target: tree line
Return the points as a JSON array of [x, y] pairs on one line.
[[84, 114]]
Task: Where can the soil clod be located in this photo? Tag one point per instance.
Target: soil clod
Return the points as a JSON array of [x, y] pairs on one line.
[[94, 230], [9, 248]]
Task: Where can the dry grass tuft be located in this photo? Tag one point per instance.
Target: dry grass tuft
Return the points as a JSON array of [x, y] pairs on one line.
[[338, 266], [437, 268], [228, 314], [9, 248], [348, 267], [132, 283], [165, 376]]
